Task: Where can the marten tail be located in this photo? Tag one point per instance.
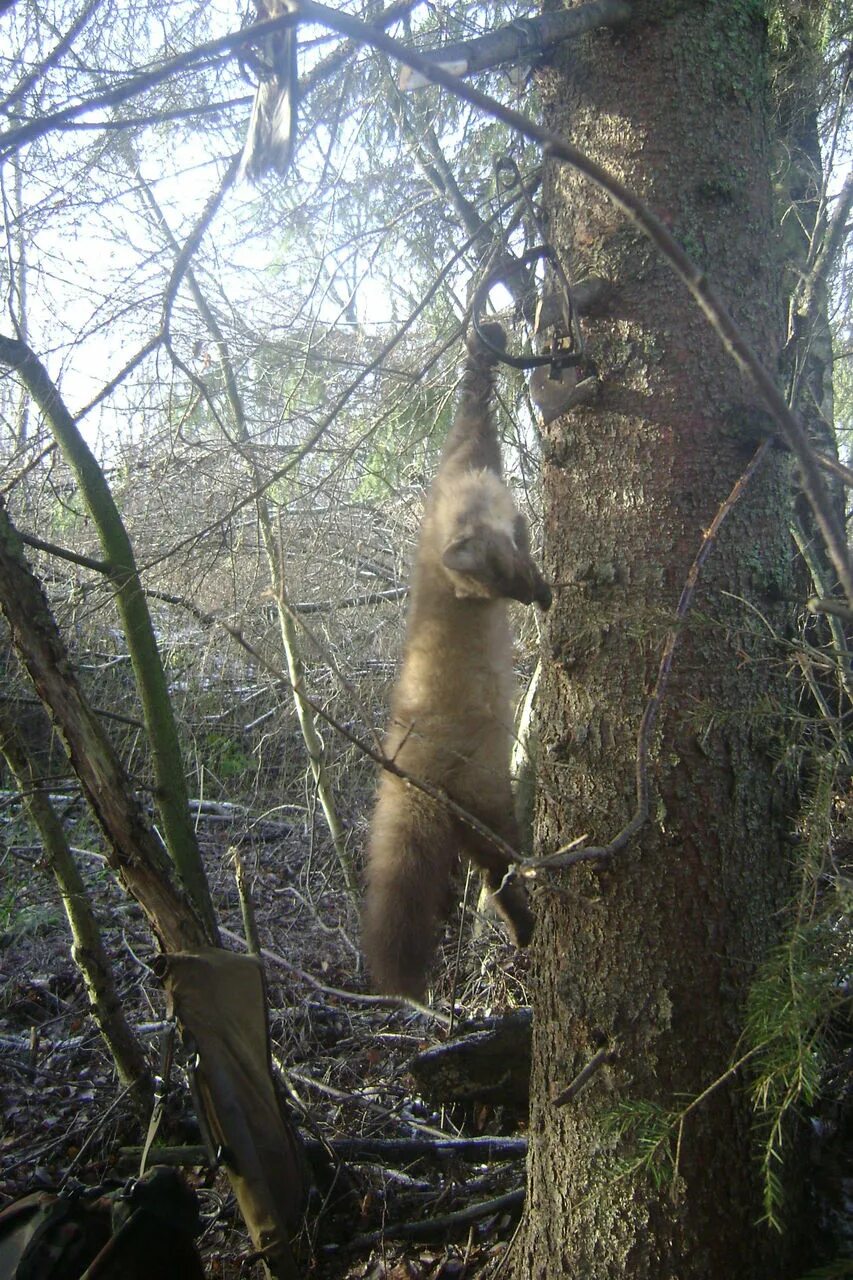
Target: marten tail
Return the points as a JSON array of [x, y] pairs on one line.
[[478, 351], [478, 379], [409, 872], [473, 440]]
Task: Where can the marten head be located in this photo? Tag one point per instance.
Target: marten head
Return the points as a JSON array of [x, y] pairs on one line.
[[486, 550]]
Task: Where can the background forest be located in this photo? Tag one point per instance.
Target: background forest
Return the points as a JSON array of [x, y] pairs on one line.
[[221, 404]]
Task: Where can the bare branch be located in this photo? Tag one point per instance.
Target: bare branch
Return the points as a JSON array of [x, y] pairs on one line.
[[160, 117], [62, 553], [435, 1228], [350, 602], [524, 40], [809, 292], [109, 387], [123, 575], [834, 608], [582, 1079], [192, 243]]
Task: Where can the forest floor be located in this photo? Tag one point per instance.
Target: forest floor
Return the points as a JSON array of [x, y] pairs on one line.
[[343, 1057]]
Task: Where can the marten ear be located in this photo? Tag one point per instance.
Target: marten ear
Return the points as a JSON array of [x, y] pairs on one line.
[[465, 555], [487, 564], [470, 562], [521, 534]]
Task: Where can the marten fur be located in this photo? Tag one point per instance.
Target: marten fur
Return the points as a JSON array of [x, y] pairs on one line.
[[451, 720]]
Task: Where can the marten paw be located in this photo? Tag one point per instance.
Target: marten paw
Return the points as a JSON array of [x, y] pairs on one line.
[[493, 333], [513, 906]]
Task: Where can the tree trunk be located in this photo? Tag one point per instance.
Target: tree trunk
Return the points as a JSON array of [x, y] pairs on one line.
[[643, 965]]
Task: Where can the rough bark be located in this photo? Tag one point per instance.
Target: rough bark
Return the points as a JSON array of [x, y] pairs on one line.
[[649, 959]]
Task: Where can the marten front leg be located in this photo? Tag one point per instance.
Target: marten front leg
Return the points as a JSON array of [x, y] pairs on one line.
[[508, 892]]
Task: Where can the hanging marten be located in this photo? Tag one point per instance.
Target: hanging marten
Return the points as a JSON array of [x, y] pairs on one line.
[[451, 719]]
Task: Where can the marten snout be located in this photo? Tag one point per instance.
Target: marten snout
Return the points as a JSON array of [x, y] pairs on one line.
[[515, 573], [543, 597], [532, 588]]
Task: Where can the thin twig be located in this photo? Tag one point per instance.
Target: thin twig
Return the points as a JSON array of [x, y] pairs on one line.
[[29, 78], [191, 244], [834, 613], [308, 445], [350, 602], [151, 345], [375, 754], [348, 997], [809, 292], [247, 905], [27, 468], [832, 607], [584, 1076], [62, 553], [430, 1228], [197, 59]]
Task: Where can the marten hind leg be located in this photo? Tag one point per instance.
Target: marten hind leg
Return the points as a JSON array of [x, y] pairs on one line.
[[508, 894], [413, 849]]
